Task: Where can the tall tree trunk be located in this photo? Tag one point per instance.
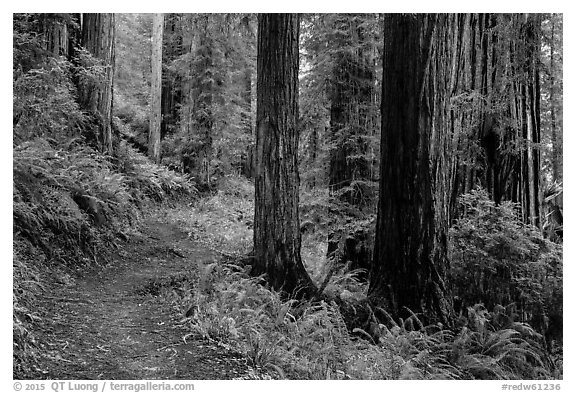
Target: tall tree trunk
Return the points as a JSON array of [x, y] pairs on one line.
[[205, 99], [156, 89], [56, 33], [172, 95], [98, 34], [526, 113], [420, 67], [277, 237], [501, 84], [246, 118], [556, 146]]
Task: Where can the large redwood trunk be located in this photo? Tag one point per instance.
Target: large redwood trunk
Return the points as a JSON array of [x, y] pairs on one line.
[[57, 33], [277, 236], [420, 72], [98, 32]]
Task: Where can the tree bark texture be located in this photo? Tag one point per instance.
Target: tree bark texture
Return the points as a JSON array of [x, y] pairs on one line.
[[57, 33], [98, 32], [420, 62], [526, 113], [556, 138], [498, 111], [277, 237], [156, 89]]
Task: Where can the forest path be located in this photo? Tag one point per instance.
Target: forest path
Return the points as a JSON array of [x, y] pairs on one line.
[[119, 322]]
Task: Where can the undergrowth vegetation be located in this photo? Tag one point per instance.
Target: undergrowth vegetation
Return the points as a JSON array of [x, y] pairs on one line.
[[71, 204], [222, 221], [70, 207], [290, 339], [498, 260], [284, 338]]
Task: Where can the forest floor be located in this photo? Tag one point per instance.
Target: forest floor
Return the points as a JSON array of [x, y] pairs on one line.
[[121, 322]]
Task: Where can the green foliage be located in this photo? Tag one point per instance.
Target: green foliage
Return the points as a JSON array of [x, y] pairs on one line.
[[69, 203], [27, 284], [331, 226], [147, 180], [210, 61], [482, 349], [31, 36], [44, 103], [493, 346], [50, 183], [133, 72], [283, 338], [497, 259], [338, 101], [223, 221], [310, 340], [27, 42]]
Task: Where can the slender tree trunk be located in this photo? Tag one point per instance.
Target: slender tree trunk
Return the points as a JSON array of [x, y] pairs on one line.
[[156, 89], [556, 147], [98, 35], [246, 118], [421, 53], [527, 50], [277, 235], [186, 109], [172, 94]]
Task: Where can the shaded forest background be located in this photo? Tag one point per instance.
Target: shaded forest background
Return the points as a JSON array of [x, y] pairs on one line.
[[106, 125]]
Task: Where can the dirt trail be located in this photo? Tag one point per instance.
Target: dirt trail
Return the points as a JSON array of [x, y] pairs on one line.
[[109, 325]]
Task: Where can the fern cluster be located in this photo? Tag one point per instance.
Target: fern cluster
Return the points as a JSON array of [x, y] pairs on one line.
[[49, 183], [285, 339], [279, 337], [310, 340]]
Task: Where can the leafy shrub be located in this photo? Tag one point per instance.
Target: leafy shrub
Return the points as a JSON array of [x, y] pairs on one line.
[[497, 259], [310, 340], [494, 346]]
